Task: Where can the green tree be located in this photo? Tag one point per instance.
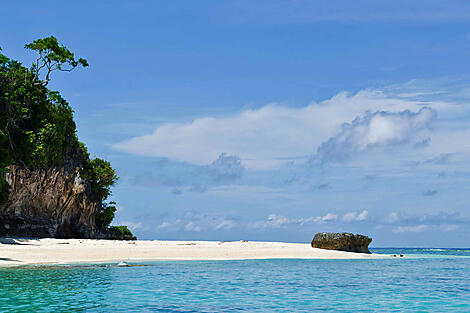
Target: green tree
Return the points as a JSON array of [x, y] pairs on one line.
[[101, 176], [105, 215], [52, 57], [37, 129]]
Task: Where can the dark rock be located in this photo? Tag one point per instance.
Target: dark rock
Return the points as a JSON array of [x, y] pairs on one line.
[[342, 242], [55, 203]]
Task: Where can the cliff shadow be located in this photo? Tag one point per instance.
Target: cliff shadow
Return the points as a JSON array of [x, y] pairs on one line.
[[17, 241]]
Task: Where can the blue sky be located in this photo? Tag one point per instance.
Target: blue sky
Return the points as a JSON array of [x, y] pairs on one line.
[[271, 120]]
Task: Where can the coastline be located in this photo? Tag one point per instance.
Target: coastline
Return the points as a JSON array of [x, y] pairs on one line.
[[17, 251]]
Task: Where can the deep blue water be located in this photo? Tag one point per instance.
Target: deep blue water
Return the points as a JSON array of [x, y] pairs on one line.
[[425, 281]]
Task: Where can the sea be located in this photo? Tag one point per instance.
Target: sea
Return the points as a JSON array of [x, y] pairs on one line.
[[424, 280]]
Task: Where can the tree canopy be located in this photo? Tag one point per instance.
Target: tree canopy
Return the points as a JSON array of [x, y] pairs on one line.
[[52, 57], [37, 130]]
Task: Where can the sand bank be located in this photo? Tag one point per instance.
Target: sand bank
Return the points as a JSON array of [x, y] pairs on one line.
[[63, 251]]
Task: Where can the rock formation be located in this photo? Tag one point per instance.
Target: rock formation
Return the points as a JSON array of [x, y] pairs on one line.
[[50, 203], [43, 192], [342, 242]]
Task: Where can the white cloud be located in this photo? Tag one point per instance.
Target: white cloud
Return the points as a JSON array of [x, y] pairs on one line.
[[362, 216], [392, 217], [163, 226], [413, 229], [450, 141], [267, 136], [328, 217], [224, 224], [423, 227], [196, 222], [275, 221], [191, 226], [449, 227], [354, 216], [442, 221], [374, 131], [348, 217]]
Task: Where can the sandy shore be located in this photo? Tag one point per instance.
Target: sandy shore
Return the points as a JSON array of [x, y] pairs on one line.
[[15, 252]]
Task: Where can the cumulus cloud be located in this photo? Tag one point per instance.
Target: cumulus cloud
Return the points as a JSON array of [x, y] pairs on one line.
[[354, 216], [274, 134], [374, 131], [213, 153], [226, 168]]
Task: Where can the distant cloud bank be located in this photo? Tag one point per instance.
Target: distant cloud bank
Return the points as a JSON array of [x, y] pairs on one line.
[[333, 130]]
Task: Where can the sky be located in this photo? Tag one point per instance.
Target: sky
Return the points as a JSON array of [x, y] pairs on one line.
[[271, 120]]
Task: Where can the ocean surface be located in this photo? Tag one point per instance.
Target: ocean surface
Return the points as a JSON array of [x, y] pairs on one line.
[[426, 280]]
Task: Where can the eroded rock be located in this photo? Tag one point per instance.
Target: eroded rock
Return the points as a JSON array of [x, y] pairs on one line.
[[48, 203], [342, 242]]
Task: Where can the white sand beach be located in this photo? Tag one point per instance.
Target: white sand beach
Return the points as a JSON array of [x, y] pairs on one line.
[[14, 252]]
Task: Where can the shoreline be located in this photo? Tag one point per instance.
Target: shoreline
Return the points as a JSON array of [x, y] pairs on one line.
[[48, 251]]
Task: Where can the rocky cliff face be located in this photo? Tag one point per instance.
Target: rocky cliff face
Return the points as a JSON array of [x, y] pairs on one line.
[[48, 203], [342, 241]]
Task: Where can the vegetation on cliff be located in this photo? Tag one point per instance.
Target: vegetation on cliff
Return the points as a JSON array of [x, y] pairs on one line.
[[37, 130]]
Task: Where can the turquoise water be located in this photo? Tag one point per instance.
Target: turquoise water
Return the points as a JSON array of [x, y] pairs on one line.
[[427, 281]]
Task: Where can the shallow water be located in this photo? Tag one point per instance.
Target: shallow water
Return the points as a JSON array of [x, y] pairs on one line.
[[424, 281]]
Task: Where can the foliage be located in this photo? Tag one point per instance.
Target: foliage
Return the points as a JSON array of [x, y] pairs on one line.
[[37, 128], [105, 216], [4, 187], [123, 230], [52, 57], [36, 124], [101, 176]]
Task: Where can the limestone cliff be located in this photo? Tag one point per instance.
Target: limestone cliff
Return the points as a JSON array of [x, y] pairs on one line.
[[43, 192], [48, 203]]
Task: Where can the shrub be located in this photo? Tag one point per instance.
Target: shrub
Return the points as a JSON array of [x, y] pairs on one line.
[[122, 230], [105, 216], [101, 176]]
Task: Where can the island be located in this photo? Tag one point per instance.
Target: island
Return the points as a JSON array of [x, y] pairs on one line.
[[49, 185]]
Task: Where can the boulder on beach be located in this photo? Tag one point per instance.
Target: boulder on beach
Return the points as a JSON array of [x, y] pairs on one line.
[[342, 242]]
